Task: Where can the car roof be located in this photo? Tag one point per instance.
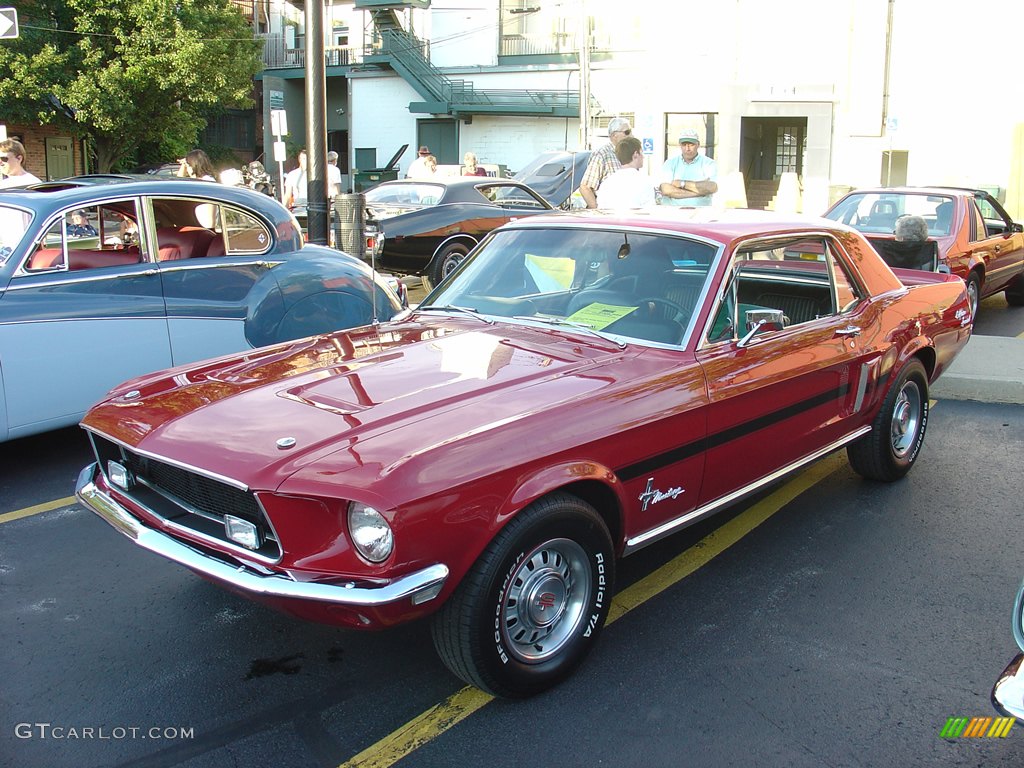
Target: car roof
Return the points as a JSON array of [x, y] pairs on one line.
[[83, 190], [722, 225], [955, 191]]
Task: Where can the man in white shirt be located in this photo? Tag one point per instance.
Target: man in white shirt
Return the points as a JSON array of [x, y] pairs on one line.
[[12, 165], [333, 175], [296, 184], [418, 167], [628, 187]]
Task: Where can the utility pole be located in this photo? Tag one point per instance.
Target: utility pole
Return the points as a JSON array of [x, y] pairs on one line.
[[316, 125], [583, 55]]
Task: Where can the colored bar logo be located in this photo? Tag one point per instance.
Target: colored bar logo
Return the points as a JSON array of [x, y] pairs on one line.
[[977, 727]]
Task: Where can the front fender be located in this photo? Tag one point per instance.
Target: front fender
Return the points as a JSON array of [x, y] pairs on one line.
[[322, 292]]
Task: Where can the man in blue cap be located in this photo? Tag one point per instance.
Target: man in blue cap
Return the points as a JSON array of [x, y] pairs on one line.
[[689, 179]]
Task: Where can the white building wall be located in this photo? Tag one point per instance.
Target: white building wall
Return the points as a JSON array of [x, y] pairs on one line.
[[463, 33], [381, 118], [515, 141]]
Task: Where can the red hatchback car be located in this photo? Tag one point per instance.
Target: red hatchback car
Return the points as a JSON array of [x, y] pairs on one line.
[[580, 387], [975, 237]]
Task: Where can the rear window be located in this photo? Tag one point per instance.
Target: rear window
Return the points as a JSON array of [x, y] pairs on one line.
[[876, 212]]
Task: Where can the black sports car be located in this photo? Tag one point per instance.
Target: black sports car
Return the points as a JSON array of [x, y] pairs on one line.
[[428, 226]]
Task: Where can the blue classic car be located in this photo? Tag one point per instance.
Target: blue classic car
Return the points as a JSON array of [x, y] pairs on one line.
[[108, 277]]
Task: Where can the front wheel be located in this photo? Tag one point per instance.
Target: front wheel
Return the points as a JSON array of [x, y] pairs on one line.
[[532, 606], [447, 261], [890, 449]]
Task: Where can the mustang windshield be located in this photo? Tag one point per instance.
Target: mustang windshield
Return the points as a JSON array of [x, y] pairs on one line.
[[635, 286], [13, 225]]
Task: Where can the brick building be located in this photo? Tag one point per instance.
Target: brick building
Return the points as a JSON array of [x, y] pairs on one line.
[[50, 153]]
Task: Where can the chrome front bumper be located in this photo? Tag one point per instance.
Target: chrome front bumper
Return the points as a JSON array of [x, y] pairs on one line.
[[419, 587], [1008, 692]]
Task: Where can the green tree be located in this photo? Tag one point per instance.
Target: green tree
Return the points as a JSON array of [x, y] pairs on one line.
[[127, 74]]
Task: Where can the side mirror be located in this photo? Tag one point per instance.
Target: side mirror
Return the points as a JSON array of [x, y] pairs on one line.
[[760, 321], [1015, 227]]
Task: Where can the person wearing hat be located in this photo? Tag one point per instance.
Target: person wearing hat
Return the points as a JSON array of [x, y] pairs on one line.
[[603, 161], [333, 175], [688, 179], [80, 226], [418, 167]]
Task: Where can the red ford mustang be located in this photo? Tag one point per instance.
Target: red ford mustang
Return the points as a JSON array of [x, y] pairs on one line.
[[582, 386]]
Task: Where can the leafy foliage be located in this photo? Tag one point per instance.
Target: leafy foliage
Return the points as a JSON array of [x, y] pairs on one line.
[[128, 74]]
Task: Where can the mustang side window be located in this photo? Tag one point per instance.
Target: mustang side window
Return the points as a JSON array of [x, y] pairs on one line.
[[782, 283]]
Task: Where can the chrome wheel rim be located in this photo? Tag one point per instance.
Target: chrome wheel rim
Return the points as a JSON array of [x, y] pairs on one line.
[[906, 419], [451, 262], [972, 297], [545, 601]]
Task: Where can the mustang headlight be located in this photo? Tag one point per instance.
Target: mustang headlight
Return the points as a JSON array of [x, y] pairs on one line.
[[370, 532]]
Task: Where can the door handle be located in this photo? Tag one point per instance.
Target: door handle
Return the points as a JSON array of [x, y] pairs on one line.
[[998, 248], [850, 330]]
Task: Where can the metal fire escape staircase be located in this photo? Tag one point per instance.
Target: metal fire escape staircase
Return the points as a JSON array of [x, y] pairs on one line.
[[405, 54]]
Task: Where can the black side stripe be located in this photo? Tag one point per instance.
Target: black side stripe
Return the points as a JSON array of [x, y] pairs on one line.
[[688, 450]]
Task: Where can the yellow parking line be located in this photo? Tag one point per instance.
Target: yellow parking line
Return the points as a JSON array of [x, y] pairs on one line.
[[460, 705], [38, 508]]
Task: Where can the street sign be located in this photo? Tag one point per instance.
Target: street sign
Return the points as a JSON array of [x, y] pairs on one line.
[[8, 23], [648, 145], [279, 122]]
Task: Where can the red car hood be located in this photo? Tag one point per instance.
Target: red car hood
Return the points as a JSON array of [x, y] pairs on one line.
[[335, 392]]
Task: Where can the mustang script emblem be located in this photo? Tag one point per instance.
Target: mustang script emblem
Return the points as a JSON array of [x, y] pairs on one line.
[[652, 495]]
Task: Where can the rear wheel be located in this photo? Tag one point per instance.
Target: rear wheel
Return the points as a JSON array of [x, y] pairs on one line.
[[447, 261], [533, 605], [1015, 293], [890, 449], [974, 292]]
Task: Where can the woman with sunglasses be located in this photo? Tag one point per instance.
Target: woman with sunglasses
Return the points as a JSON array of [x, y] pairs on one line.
[[12, 165]]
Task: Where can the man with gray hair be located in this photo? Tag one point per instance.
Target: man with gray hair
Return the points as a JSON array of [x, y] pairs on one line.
[[333, 175], [603, 161]]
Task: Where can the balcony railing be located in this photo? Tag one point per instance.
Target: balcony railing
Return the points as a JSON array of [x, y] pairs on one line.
[[277, 54]]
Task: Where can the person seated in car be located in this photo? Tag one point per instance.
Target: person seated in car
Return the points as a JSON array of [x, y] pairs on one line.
[[911, 229], [80, 226]]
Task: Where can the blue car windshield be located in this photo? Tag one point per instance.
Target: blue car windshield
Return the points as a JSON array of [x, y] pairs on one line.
[[13, 226], [633, 286]]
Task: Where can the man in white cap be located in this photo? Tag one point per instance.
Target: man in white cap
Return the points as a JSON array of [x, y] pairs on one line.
[[333, 175], [603, 161], [688, 179]]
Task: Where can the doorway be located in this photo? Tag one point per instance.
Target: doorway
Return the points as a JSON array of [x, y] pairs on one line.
[[60, 158], [442, 137], [771, 146]]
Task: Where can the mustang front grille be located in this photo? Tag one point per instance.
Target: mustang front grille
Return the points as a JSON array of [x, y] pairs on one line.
[[188, 499]]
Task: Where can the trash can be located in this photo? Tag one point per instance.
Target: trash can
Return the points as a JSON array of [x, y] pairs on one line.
[[350, 224]]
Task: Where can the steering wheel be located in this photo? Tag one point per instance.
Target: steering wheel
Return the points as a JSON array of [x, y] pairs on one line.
[[682, 314]]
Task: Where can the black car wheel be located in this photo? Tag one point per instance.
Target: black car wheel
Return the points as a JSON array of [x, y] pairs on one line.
[[1015, 293], [890, 449], [447, 261], [532, 606]]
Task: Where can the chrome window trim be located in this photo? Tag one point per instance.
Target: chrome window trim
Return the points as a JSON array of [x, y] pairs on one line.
[[200, 262], [659, 532], [764, 243], [144, 251]]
